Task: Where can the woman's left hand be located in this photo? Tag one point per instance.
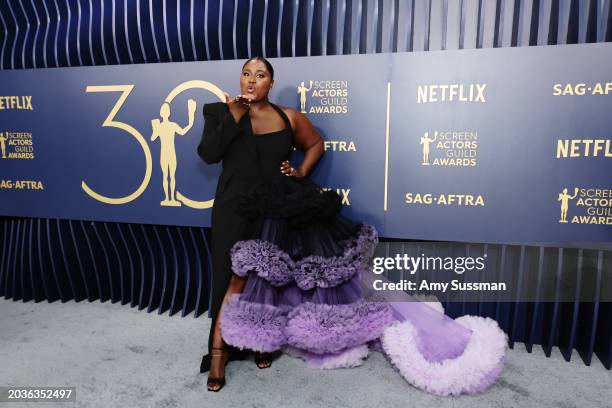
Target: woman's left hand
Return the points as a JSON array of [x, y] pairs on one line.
[[289, 171]]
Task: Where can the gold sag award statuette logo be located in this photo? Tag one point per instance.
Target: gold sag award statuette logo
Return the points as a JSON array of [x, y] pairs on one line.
[[425, 141], [459, 148], [564, 197], [594, 206], [325, 97], [301, 90], [3, 145], [163, 129], [166, 130]]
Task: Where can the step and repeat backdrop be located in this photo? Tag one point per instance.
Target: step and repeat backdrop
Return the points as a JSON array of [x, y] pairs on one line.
[[492, 145]]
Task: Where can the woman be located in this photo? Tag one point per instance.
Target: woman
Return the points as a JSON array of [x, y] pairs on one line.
[[229, 135], [287, 265]]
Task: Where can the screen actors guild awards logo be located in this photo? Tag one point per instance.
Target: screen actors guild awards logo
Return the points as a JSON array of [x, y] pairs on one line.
[[166, 130], [449, 149], [564, 197], [16, 145], [323, 96], [591, 206]]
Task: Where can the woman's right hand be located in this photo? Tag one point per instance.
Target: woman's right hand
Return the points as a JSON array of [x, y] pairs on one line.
[[238, 106]]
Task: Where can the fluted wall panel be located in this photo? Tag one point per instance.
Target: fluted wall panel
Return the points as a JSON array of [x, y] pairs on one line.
[[154, 267], [54, 33]]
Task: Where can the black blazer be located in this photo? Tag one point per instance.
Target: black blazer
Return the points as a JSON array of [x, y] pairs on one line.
[[224, 140]]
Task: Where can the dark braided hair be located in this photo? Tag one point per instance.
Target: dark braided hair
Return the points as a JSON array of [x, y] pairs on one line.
[[265, 62]]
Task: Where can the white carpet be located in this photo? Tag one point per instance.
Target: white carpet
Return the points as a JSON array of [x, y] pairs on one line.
[[117, 356]]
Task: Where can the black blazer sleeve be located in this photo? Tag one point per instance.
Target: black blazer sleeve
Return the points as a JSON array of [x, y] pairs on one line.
[[220, 129]]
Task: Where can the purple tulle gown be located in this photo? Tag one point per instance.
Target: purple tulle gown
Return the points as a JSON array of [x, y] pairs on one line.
[[306, 270], [306, 267]]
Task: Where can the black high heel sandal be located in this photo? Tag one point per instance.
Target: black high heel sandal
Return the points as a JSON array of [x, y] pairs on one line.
[[220, 381], [205, 364], [263, 360]]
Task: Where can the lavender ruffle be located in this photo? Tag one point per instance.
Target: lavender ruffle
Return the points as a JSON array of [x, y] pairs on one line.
[[323, 328], [314, 328], [317, 271], [475, 369], [255, 326], [276, 266], [265, 258]]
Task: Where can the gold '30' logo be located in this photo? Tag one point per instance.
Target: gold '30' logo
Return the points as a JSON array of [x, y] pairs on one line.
[[165, 131]]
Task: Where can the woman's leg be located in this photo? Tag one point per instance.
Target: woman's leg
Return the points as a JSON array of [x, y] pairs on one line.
[[227, 229], [217, 364]]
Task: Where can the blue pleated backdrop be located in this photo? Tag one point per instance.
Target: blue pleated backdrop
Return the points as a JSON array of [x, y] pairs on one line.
[[167, 269]]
